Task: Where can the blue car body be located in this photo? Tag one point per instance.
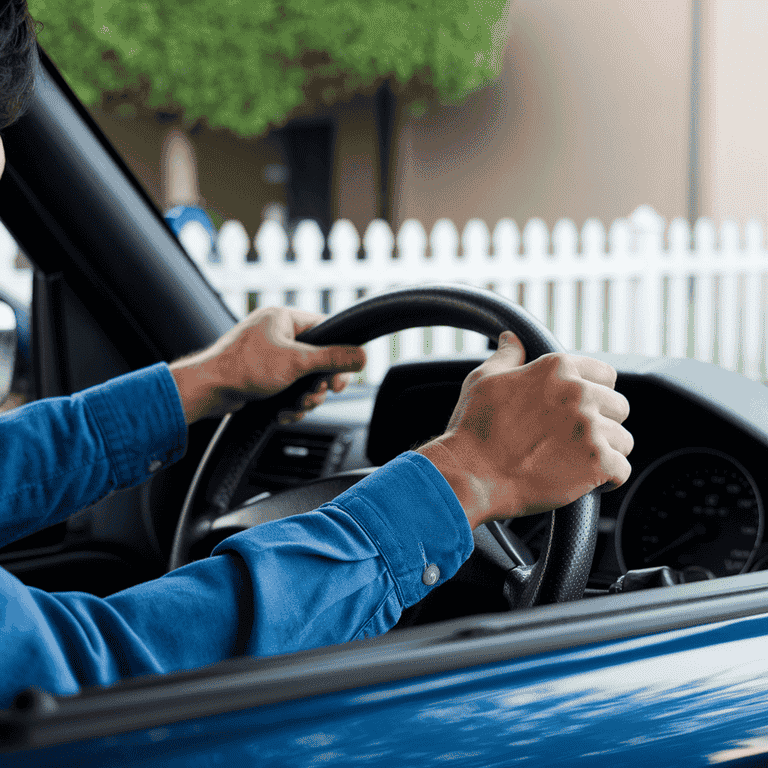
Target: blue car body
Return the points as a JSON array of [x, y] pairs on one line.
[[691, 696]]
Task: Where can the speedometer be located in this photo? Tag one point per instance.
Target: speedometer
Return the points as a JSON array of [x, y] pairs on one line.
[[691, 509]]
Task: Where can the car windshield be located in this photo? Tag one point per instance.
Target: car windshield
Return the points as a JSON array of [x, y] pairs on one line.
[[605, 168]]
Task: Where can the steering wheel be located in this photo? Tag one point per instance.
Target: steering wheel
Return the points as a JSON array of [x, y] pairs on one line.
[[559, 575]]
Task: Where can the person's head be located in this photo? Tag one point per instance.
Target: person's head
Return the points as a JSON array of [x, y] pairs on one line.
[[18, 55]]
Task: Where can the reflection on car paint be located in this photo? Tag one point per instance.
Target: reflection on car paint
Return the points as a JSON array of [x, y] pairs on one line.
[[608, 704]]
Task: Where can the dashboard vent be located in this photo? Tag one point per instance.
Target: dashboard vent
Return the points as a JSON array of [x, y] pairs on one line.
[[291, 458]]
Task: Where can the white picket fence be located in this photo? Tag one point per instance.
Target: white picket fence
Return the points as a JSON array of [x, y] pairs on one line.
[[639, 288], [642, 288]]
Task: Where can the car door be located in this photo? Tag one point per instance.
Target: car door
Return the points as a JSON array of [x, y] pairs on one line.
[[666, 677]]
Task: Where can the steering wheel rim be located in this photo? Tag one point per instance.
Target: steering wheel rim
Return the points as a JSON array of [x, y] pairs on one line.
[[561, 572]]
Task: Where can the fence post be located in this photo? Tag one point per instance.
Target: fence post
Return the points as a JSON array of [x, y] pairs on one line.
[[379, 242], [730, 308], [196, 241], [344, 243], [537, 265], [705, 292], [475, 254], [445, 267], [271, 243], [678, 257], [233, 245], [622, 291], [564, 293], [308, 242], [591, 309], [413, 265], [506, 258], [647, 230], [755, 310], [476, 263]]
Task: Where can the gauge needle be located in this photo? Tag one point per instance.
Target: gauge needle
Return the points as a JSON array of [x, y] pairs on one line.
[[697, 530]]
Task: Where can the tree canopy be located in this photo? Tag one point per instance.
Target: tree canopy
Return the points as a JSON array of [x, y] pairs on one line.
[[248, 65]]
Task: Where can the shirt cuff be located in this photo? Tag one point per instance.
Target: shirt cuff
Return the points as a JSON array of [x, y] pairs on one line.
[[141, 418], [412, 515]]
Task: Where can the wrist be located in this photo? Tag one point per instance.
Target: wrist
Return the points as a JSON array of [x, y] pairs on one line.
[[199, 388], [474, 494]]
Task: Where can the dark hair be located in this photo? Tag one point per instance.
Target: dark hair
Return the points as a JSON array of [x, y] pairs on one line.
[[18, 56]]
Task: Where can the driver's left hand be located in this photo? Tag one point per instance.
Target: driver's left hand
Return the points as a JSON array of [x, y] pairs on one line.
[[260, 357]]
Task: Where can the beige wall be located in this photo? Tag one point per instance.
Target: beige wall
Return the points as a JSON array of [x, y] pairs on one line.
[[735, 110], [230, 170], [589, 117]]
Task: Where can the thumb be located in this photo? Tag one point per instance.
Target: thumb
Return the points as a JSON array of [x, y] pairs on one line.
[[334, 358], [511, 346]]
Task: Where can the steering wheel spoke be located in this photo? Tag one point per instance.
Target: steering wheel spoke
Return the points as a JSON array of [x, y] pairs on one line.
[[514, 547]]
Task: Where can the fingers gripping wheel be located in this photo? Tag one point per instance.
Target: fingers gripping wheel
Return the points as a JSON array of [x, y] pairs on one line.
[[561, 572]]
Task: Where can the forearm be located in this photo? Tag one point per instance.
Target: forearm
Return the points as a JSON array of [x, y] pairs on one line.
[[350, 568], [62, 454], [199, 388], [343, 572]]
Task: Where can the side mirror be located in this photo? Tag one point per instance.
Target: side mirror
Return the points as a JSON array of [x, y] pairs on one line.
[[8, 346]]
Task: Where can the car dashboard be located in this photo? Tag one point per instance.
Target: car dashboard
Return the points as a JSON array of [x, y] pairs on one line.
[[695, 498]]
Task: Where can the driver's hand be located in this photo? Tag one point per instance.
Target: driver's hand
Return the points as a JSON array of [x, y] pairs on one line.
[[260, 357], [530, 438]]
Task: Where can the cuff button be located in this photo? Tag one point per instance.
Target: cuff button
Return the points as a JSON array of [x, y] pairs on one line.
[[155, 465], [431, 575]]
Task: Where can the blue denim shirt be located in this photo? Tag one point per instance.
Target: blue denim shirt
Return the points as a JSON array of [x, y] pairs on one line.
[[342, 572]]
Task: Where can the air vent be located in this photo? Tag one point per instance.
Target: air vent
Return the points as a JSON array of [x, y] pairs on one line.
[[291, 458]]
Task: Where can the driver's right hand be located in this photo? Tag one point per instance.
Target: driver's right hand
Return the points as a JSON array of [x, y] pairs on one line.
[[528, 438]]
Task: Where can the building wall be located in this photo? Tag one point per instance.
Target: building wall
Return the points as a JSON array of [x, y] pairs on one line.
[[233, 173], [734, 112], [589, 117]]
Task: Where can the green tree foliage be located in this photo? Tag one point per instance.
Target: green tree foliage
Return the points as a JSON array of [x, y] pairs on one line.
[[248, 65]]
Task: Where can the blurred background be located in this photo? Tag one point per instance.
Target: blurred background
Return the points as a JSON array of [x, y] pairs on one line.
[[597, 107], [601, 162]]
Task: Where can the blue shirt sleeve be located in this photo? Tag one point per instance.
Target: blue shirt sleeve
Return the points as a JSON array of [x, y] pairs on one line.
[[62, 454], [342, 572]]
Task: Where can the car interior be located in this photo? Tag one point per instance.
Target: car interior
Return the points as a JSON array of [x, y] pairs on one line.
[[113, 291]]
